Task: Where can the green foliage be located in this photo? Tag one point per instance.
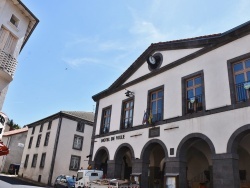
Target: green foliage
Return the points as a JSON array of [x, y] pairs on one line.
[[13, 125]]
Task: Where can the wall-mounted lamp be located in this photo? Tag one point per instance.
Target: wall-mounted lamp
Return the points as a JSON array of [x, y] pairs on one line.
[[129, 93]]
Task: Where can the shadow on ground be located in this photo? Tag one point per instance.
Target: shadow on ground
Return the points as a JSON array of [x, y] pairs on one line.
[[15, 181]]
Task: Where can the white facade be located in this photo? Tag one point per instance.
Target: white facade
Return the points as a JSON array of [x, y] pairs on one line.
[[16, 25], [14, 140], [196, 141], [62, 129]]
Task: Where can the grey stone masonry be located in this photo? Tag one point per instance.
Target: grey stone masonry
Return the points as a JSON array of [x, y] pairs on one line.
[[226, 171]]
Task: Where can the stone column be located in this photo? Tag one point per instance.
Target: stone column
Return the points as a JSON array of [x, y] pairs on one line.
[[226, 171], [138, 166], [174, 166], [111, 169]]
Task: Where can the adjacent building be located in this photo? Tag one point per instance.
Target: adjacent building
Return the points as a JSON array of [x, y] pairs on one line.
[[58, 144], [17, 23], [179, 115], [15, 141]]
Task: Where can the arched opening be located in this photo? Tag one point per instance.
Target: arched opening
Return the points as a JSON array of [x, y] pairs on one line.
[[153, 156], [196, 153], [239, 144], [101, 159], [123, 162]]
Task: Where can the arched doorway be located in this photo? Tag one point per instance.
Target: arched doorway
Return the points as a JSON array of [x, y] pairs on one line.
[[101, 158], [239, 144], [123, 161], [153, 156], [196, 151]]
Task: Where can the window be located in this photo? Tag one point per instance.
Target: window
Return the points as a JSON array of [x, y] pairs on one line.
[[30, 142], [42, 162], [33, 130], [77, 143], [26, 161], [241, 74], [38, 140], [193, 93], [41, 128], [80, 126], [74, 162], [105, 124], [34, 160], [49, 126], [155, 105], [7, 41], [46, 141], [127, 113], [14, 20], [1, 129]]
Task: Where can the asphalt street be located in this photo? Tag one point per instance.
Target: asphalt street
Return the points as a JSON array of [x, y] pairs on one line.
[[7, 181]]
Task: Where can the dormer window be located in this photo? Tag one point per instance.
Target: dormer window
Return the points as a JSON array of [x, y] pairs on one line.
[[14, 20]]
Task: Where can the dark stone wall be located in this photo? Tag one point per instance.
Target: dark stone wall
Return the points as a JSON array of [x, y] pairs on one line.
[[226, 171]]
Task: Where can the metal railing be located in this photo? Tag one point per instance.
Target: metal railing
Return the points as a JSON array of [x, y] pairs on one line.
[[242, 91], [194, 104], [7, 63]]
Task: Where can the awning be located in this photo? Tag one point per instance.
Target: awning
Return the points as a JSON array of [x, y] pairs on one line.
[[4, 150]]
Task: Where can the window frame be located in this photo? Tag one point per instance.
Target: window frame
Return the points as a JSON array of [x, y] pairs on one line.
[[46, 140], [33, 130], [49, 125], [184, 91], [82, 126], [34, 160], [79, 162], [42, 162], [231, 78], [149, 102], [38, 141], [26, 161], [30, 142], [77, 136], [41, 128], [102, 119], [123, 110]]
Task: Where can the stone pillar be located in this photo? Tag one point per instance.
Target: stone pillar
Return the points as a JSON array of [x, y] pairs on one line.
[[177, 167], [111, 169], [138, 166], [226, 171]]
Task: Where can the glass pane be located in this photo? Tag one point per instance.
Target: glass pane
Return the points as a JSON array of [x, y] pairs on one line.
[[189, 83], [198, 91], [127, 105], [248, 63], [160, 94], [197, 81], [190, 93], [159, 105], [130, 113], [238, 67], [239, 78], [248, 76], [131, 104], [153, 108], [126, 114], [153, 96]]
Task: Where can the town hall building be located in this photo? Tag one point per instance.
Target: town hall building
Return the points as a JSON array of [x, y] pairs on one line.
[[179, 115]]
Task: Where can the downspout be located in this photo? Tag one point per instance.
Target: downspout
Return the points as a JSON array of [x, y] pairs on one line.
[[55, 150], [93, 135]]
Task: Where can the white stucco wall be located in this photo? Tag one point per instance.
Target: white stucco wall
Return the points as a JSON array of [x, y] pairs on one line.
[[217, 94], [31, 172], [7, 8], [65, 147]]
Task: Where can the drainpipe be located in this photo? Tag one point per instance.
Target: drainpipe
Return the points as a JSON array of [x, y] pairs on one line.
[[55, 150]]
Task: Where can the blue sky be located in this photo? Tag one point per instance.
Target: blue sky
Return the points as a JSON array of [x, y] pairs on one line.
[[80, 47]]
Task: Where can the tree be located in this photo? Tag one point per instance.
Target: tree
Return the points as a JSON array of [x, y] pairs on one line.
[[13, 125]]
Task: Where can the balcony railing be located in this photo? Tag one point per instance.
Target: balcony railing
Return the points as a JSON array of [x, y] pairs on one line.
[[194, 104], [242, 91], [7, 63]]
